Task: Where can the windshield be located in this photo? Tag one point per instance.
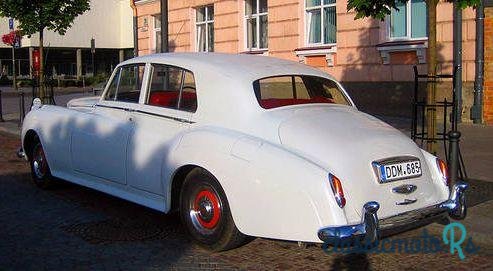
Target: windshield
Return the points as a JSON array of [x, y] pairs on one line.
[[277, 91]]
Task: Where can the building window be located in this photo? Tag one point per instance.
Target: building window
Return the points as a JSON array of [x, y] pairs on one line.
[[408, 21], [157, 33], [205, 29], [256, 24], [321, 22]]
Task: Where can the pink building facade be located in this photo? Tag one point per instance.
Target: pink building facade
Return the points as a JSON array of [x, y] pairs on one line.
[[320, 33]]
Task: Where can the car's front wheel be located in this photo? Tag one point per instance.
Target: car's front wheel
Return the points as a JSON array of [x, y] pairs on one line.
[[205, 212], [40, 170]]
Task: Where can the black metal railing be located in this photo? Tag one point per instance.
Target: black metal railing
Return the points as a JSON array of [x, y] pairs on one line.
[[448, 126], [49, 92]]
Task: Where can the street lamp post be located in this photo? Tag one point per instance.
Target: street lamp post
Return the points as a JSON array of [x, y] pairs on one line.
[[93, 51]]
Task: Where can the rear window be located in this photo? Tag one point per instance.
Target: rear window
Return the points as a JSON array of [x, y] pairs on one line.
[[272, 92]]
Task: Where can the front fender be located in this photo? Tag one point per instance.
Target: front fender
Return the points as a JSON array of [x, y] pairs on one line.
[[272, 192]]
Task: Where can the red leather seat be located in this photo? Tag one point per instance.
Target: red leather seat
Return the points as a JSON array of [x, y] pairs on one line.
[[170, 98], [273, 103]]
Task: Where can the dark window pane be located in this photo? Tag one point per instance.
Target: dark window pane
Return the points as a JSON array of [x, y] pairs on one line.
[[312, 3], [330, 27], [201, 14], [262, 6], [252, 33], [210, 33], [263, 32], [210, 13]]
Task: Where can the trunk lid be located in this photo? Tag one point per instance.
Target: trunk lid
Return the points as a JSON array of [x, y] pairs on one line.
[[346, 142]]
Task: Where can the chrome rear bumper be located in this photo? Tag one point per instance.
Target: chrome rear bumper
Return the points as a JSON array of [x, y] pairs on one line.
[[371, 228]]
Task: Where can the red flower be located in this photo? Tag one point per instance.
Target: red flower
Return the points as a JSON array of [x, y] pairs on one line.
[[11, 37]]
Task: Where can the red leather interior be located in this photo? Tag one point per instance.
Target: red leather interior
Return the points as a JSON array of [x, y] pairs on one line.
[[273, 103], [170, 98]]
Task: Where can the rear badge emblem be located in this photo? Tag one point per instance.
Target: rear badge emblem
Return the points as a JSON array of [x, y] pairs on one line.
[[404, 189], [406, 202]]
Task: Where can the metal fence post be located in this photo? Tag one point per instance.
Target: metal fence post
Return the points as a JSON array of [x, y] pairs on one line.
[[454, 137], [1, 107], [22, 111]]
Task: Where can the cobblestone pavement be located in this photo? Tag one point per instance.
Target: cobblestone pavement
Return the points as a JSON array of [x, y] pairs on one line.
[[74, 228]]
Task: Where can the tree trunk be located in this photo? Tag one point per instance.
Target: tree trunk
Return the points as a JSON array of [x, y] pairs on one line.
[[432, 64], [42, 94]]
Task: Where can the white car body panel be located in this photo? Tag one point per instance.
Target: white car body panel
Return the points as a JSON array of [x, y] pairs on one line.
[[270, 163]]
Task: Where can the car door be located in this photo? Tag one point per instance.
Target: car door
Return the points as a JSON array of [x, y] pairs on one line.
[[99, 142], [166, 109]]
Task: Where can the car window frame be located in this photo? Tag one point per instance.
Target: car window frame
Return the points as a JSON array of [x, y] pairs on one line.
[[258, 98], [117, 72], [146, 95]]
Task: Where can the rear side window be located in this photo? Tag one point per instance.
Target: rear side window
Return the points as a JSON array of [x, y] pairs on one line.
[[172, 87], [126, 84], [278, 91]]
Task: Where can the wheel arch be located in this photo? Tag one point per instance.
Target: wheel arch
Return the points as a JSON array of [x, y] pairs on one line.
[[177, 180], [29, 142]]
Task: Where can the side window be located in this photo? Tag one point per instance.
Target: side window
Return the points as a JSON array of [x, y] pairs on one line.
[[172, 87], [189, 96], [126, 84]]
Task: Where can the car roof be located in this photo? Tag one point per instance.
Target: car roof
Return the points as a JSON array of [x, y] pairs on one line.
[[240, 66]]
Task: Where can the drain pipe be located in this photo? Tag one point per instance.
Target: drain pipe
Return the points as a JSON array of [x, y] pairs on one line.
[[477, 108], [136, 38], [458, 59], [164, 26]]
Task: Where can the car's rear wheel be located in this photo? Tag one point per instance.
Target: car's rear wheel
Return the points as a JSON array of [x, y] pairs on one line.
[[40, 170], [205, 212]]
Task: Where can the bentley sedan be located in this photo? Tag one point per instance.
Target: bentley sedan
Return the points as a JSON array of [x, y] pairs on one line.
[[242, 146]]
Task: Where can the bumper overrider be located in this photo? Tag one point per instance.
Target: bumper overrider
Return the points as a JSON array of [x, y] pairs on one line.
[[371, 228]]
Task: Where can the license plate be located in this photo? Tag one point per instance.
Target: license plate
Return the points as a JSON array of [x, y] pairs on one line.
[[399, 170]]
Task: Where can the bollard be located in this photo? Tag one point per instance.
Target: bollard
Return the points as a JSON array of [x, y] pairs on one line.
[[22, 110], [1, 107], [453, 166]]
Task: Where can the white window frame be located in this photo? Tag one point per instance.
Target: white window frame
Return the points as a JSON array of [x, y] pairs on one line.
[[205, 22], [307, 23], [255, 15], [408, 36], [154, 32]]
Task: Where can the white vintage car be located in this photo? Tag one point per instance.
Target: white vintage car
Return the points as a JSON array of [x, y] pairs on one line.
[[241, 146]]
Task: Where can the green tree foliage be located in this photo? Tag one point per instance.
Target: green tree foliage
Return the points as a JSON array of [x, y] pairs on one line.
[[378, 9], [34, 16]]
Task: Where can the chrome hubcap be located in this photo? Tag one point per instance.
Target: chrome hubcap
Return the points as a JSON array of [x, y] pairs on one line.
[[39, 163], [205, 210]]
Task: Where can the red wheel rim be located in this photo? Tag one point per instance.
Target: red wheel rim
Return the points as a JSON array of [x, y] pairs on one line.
[[207, 208]]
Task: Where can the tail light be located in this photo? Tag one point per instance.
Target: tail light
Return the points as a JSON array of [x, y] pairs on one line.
[[443, 170], [336, 186]]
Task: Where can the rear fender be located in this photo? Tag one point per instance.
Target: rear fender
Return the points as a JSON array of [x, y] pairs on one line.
[[272, 192]]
